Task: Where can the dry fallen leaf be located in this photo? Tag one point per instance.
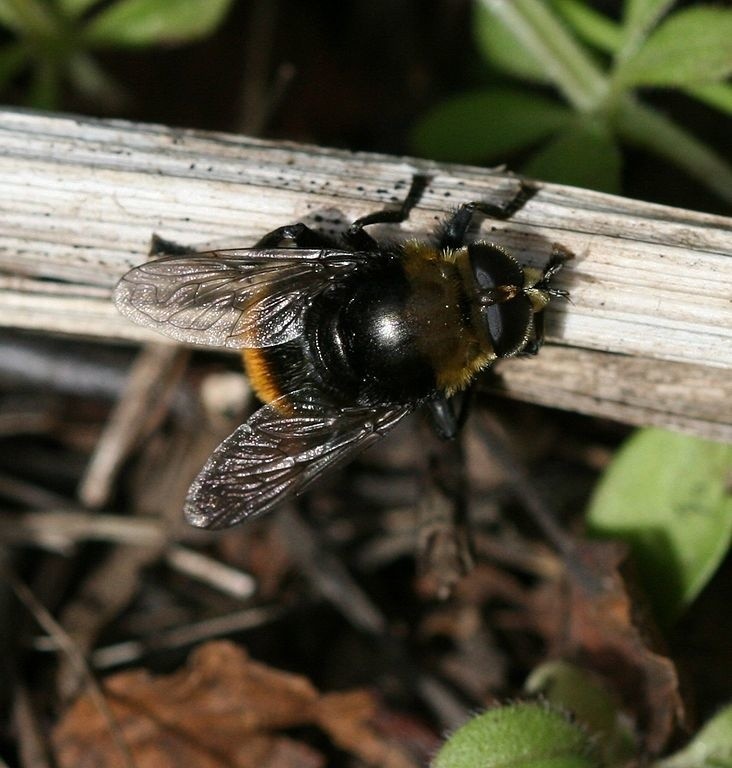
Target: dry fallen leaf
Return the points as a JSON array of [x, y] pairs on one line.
[[604, 627], [222, 710]]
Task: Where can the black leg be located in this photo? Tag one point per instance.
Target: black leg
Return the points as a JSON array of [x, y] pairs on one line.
[[537, 338], [446, 421], [294, 236], [453, 235], [559, 257], [556, 262], [359, 240]]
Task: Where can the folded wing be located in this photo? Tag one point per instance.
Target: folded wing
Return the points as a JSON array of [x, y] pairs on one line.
[[278, 452], [236, 298]]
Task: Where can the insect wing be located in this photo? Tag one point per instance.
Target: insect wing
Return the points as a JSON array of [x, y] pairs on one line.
[[278, 452], [236, 299]]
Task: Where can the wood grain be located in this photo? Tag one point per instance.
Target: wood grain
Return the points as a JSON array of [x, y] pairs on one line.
[[646, 339]]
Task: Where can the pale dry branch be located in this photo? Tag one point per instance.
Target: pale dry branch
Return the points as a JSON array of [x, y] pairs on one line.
[[647, 338]]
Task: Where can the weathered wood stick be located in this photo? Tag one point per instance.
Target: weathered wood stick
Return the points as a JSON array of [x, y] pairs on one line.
[[646, 339]]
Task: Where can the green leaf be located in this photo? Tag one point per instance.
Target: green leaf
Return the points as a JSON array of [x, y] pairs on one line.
[[500, 46], [593, 27], [692, 47], [640, 16], [583, 155], [152, 22], [710, 748], [570, 67], [482, 127], [9, 16], [75, 8], [30, 18], [525, 735], [716, 95], [668, 496], [643, 126], [569, 688]]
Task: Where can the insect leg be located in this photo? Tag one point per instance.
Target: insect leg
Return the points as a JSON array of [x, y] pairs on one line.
[[446, 420], [294, 236], [559, 257], [453, 235], [537, 339], [359, 240]]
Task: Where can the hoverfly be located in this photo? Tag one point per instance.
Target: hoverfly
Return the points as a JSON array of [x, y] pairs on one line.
[[340, 340]]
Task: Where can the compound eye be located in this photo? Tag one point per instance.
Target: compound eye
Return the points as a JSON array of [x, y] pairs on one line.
[[492, 266], [508, 325]]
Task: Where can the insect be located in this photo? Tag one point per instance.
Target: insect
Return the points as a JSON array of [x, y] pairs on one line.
[[340, 340]]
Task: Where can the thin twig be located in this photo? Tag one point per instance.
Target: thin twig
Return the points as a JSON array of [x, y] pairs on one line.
[[493, 436], [225, 578], [144, 401], [132, 651], [77, 659], [443, 554], [31, 744]]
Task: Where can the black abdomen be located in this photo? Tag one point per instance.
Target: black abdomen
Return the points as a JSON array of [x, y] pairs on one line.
[[369, 340]]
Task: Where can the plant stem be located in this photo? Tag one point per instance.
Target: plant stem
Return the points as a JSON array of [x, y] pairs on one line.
[[571, 69], [643, 126]]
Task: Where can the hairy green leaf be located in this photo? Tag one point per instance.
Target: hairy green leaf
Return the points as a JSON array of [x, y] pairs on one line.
[[570, 688], [525, 735]]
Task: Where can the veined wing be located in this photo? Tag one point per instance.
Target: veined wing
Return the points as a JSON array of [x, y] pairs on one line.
[[278, 452], [234, 298]]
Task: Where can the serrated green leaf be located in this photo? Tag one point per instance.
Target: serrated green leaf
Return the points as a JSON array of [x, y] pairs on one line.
[[716, 95], [691, 47], [710, 748], [668, 496], [485, 126], [153, 22], [582, 155], [502, 48], [592, 27], [526, 735]]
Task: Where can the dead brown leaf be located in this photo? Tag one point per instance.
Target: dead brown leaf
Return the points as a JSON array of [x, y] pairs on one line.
[[222, 710], [604, 627]]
